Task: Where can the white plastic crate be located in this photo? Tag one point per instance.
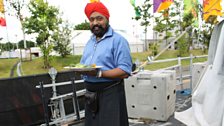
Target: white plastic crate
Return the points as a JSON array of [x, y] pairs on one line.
[[151, 95]]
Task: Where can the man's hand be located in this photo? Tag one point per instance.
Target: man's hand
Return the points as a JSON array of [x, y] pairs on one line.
[[89, 73]]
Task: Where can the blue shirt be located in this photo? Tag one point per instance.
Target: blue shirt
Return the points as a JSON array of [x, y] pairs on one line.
[[112, 51]]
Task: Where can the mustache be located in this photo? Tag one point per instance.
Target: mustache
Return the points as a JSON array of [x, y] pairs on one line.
[[99, 26]]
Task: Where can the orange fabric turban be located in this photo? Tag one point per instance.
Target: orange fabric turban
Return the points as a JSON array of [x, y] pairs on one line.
[[96, 7]]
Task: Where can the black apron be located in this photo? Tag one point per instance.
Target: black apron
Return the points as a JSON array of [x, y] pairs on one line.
[[111, 108]]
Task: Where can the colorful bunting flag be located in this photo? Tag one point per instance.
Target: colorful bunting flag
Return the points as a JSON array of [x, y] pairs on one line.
[[159, 5], [1, 6], [91, 1], [211, 7], [137, 13], [2, 21], [191, 6], [132, 2]]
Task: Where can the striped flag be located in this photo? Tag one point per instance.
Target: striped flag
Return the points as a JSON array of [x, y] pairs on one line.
[[159, 5], [211, 7]]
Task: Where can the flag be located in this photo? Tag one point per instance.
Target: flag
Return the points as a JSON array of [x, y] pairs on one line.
[[191, 6], [137, 12], [2, 21], [1, 6], [159, 5], [211, 7], [132, 2], [91, 1]]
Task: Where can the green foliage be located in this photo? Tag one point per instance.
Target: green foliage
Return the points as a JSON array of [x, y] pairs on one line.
[[46, 50], [7, 46], [62, 40], [168, 35], [44, 17], [183, 46], [44, 20], [82, 26], [143, 14], [154, 47], [205, 33], [187, 20], [167, 21], [28, 43]]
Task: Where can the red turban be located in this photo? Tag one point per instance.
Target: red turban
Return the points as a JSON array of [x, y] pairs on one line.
[[96, 7]]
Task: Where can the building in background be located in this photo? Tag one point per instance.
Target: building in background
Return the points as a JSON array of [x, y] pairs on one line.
[[80, 38]]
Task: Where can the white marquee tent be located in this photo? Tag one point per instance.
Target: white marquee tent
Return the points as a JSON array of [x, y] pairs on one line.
[[80, 37]]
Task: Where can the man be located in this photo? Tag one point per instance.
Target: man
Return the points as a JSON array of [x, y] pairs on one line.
[[105, 96]]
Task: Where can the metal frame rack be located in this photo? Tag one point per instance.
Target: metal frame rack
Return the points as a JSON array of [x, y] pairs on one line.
[[56, 105]]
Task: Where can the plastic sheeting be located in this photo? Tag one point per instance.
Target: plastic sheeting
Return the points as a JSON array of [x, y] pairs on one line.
[[208, 99], [21, 103]]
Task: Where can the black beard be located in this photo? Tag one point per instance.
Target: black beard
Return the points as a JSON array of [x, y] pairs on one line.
[[98, 30]]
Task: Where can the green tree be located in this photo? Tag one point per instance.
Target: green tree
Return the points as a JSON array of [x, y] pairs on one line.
[[206, 32], [28, 43], [82, 26], [154, 48], [7, 46], [62, 40], [168, 21], [144, 15], [188, 20], [183, 45], [44, 20]]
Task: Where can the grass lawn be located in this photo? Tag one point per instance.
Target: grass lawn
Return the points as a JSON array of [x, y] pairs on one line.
[[36, 65], [167, 55], [57, 62], [6, 66]]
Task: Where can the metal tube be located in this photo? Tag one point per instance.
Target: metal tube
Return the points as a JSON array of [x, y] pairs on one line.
[[60, 84], [54, 88], [75, 98], [44, 104], [180, 72], [191, 67]]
